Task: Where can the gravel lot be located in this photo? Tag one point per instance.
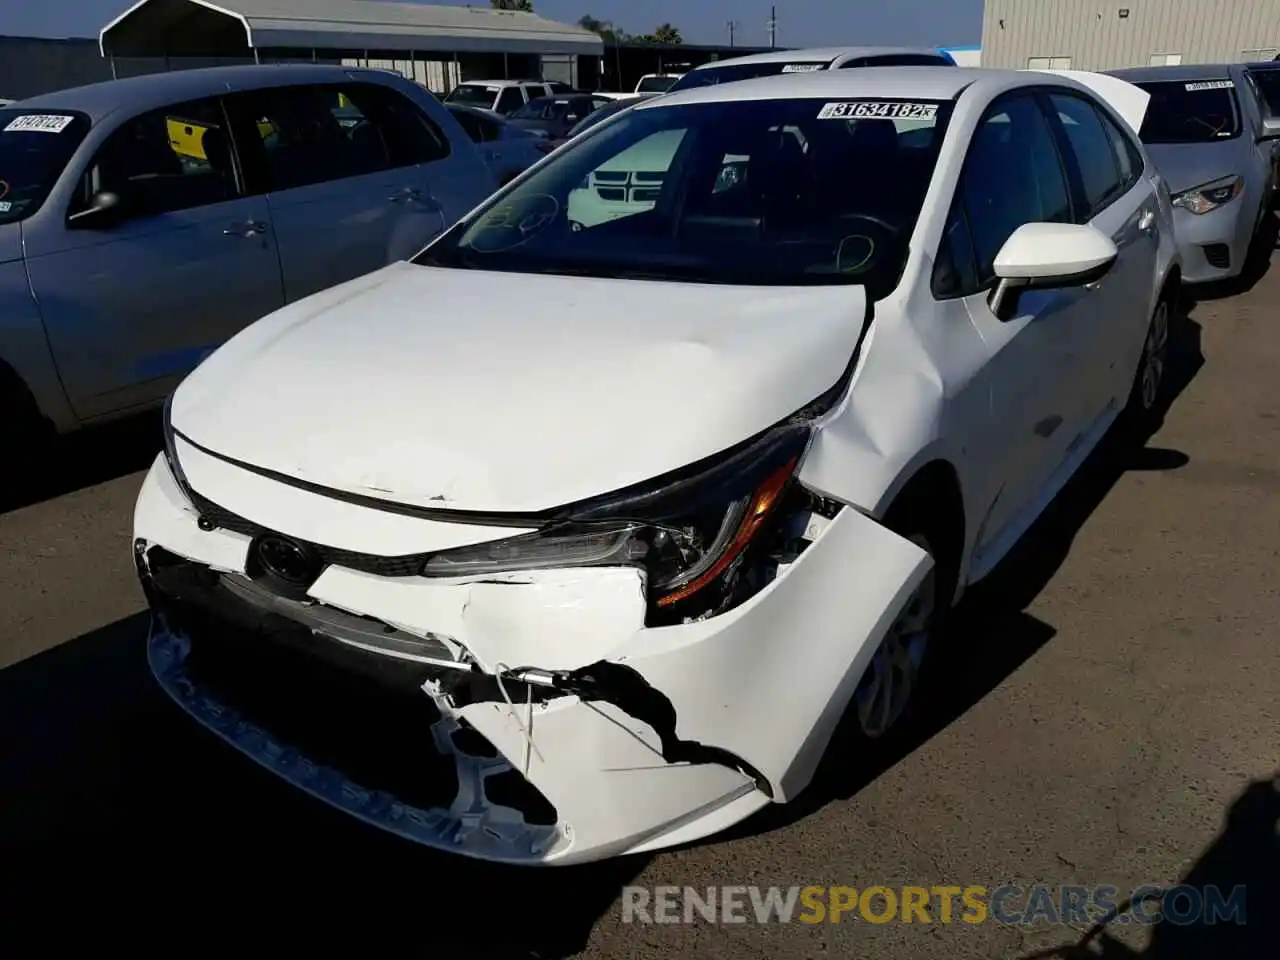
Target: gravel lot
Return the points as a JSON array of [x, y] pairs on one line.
[[1111, 716]]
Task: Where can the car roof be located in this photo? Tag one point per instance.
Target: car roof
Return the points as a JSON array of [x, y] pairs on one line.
[[823, 54], [1263, 65], [502, 83], [1191, 71], [924, 83], [151, 90]]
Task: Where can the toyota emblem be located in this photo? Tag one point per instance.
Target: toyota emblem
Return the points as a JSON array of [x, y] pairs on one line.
[[287, 560]]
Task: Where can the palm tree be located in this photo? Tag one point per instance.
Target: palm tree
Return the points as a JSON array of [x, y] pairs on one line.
[[525, 5], [668, 35]]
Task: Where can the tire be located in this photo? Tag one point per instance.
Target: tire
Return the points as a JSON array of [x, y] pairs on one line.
[[1142, 411], [24, 443]]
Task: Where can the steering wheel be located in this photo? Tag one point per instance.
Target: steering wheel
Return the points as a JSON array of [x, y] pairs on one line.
[[514, 222], [894, 231]]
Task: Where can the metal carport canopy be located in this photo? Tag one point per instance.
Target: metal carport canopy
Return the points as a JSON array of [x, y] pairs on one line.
[[154, 28]]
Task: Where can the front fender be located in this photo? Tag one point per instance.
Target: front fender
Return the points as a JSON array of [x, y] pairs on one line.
[[24, 348]]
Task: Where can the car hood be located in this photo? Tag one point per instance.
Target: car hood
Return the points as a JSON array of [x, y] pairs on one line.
[[1187, 165], [503, 392]]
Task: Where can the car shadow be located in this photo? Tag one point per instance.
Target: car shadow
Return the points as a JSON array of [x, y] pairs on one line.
[[123, 818], [1257, 265], [1245, 855], [990, 634], [88, 457]]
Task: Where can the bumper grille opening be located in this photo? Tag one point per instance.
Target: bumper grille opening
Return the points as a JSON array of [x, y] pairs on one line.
[[356, 712], [378, 735], [1218, 255]]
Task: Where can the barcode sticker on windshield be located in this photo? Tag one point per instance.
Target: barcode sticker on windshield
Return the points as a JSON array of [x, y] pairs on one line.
[[38, 123], [1209, 85], [802, 67], [895, 110]]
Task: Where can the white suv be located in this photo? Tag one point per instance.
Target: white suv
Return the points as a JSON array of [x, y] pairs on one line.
[[501, 96]]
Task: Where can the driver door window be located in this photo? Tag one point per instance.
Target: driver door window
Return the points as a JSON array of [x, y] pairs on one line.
[[1013, 175], [164, 161]]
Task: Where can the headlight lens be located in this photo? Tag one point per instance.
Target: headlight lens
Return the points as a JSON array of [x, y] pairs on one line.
[[686, 530], [1210, 196]]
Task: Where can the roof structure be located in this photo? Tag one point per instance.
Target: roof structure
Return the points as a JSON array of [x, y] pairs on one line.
[[232, 27]]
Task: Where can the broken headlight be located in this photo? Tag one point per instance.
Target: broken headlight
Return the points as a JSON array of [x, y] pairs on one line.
[[686, 529]]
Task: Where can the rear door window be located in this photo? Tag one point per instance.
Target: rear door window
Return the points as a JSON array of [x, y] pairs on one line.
[[35, 147], [174, 158]]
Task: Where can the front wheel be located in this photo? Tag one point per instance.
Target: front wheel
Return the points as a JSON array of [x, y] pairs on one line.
[[1148, 382], [886, 693]]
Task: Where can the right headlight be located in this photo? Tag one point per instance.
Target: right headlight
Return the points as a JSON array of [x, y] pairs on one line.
[[685, 530], [1210, 196]]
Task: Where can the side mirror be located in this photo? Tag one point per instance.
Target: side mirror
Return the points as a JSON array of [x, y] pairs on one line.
[[1270, 129], [103, 211], [1048, 256]]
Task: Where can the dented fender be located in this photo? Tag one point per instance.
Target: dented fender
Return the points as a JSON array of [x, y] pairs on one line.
[[766, 683]]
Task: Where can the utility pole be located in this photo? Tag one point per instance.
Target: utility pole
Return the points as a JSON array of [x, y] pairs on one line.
[[773, 27], [733, 26]]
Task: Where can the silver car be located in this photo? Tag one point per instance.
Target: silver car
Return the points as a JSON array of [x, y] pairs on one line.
[[145, 221], [1211, 140], [507, 149]]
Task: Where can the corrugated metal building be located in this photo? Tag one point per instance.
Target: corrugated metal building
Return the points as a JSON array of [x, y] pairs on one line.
[[436, 45], [1107, 34]]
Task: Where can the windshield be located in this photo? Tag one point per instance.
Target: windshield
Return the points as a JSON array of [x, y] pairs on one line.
[[35, 146], [472, 95], [1268, 83], [708, 76], [790, 192], [1190, 111], [655, 84]]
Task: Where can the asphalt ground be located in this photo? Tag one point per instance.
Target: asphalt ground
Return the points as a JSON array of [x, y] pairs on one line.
[[1109, 715]]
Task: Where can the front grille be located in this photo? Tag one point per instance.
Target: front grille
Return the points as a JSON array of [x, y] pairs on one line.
[[1218, 255], [219, 517]]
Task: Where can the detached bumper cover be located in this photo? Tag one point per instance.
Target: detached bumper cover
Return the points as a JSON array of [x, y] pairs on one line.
[[687, 730]]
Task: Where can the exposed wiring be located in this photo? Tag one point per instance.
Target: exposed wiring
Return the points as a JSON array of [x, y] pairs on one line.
[[526, 726]]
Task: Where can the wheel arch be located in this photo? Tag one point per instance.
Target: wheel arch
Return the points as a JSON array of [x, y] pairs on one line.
[[931, 501]]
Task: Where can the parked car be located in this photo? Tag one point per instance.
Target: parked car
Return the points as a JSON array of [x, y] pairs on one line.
[[599, 567], [506, 148], [553, 117], [657, 82], [809, 61], [503, 97], [610, 109], [138, 230], [1206, 131]]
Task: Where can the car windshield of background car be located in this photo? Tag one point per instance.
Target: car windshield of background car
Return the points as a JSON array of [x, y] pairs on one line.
[[1190, 111], [35, 146]]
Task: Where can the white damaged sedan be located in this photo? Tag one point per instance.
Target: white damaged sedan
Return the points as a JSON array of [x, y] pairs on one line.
[[579, 535]]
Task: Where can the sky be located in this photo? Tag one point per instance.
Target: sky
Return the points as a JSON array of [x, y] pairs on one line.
[[801, 23]]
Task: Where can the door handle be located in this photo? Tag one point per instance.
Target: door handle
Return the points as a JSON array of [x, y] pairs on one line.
[[406, 194], [1147, 221], [250, 228]]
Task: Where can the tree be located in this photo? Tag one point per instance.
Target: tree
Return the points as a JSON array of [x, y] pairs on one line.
[[525, 5], [667, 34], [604, 29]]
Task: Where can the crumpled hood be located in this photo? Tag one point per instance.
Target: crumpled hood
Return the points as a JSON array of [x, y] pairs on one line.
[[476, 390], [1187, 165]]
